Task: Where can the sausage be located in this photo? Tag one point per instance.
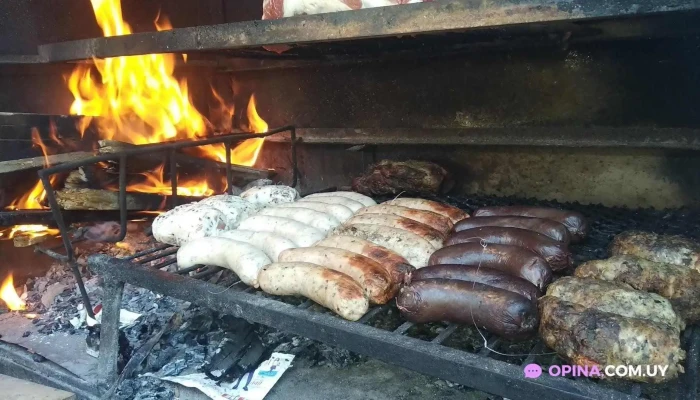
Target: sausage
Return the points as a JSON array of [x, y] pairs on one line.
[[371, 276], [243, 259], [270, 195], [484, 275], [234, 208], [316, 219], [349, 203], [514, 260], [555, 253], [268, 242], [547, 227], [340, 212], [301, 234], [412, 247], [573, 221], [434, 237], [669, 249], [499, 311], [365, 200], [453, 213], [432, 219], [397, 266], [188, 222], [326, 287]]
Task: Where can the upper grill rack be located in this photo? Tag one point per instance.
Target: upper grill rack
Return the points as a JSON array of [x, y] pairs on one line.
[[378, 332]]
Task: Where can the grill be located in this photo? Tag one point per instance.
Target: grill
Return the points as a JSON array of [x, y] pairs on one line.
[[451, 352]]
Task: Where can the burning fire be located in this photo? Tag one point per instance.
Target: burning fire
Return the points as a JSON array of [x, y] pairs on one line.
[[140, 101], [9, 295], [154, 183]]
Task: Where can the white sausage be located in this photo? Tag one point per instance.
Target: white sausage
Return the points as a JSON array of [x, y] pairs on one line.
[[321, 221], [271, 195], [372, 277], [187, 222], [351, 204], [244, 259], [268, 242], [340, 212], [329, 288], [301, 234], [412, 247], [453, 213], [234, 208], [433, 236], [365, 200]]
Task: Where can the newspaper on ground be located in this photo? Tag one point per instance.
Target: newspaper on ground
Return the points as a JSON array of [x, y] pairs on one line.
[[251, 386]]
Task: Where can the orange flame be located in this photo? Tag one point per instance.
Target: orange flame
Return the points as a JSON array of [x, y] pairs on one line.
[[154, 182], [9, 295]]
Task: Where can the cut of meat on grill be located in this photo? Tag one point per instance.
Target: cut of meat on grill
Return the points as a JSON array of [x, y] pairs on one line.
[[394, 177], [591, 337], [331, 289], [681, 285], [616, 298], [668, 249]]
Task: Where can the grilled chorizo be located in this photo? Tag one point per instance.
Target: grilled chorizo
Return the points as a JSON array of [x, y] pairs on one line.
[[547, 227], [451, 212], [430, 218], [483, 275], [433, 236], [514, 260], [555, 253], [573, 221], [499, 311]]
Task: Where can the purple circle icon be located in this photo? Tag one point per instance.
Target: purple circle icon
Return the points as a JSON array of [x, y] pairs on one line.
[[533, 371]]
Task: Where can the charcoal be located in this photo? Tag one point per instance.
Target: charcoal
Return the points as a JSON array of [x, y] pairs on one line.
[[173, 368]]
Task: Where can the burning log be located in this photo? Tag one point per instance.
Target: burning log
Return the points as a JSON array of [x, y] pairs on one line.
[[45, 217], [98, 199], [26, 164]]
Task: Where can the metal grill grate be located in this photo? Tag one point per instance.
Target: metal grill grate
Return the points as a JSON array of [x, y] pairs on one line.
[[452, 352]]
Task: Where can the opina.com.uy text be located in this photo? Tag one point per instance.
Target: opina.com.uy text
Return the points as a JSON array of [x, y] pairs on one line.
[[534, 371]]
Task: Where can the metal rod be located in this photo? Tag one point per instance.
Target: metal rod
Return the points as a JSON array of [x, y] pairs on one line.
[[295, 170], [229, 174], [403, 328], [163, 254], [147, 252], [445, 333], [173, 177], [122, 200]]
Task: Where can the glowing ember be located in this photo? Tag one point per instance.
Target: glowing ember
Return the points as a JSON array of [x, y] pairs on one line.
[[9, 295]]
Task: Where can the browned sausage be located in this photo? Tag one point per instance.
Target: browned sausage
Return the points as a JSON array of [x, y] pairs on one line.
[[547, 227], [499, 311], [483, 275], [555, 253], [575, 222], [514, 260]]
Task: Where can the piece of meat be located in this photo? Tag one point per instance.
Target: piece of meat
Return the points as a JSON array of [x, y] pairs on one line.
[[616, 298], [680, 285], [555, 253], [301, 234], [394, 177], [430, 218], [590, 337], [270, 195], [453, 213], [575, 222], [234, 208], [412, 247], [331, 289], [668, 249], [244, 259], [483, 275], [514, 260], [397, 266], [434, 237], [268, 242], [499, 311], [365, 200], [340, 212], [371, 276], [344, 201], [547, 227], [186, 223], [319, 220]]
